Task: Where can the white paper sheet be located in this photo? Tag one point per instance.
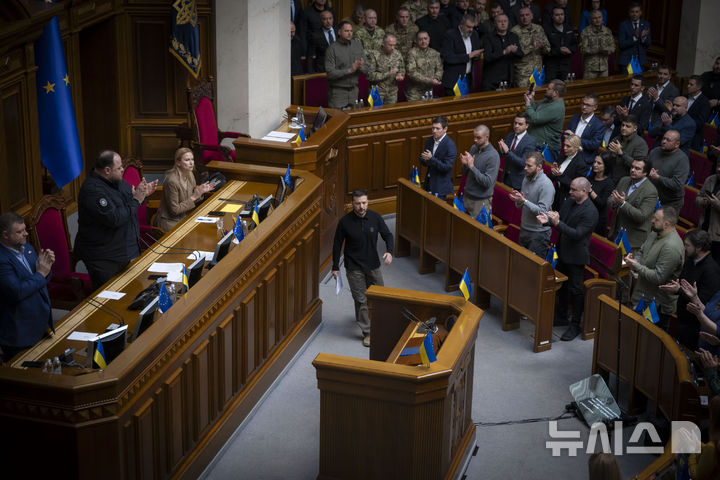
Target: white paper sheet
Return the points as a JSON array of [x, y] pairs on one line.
[[338, 284], [175, 276], [284, 135], [111, 295], [207, 219], [159, 267], [207, 255], [82, 336]]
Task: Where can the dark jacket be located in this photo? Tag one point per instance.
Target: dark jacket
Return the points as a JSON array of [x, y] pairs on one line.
[[566, 38], [668, 93], [107, 221], [685, 125], [360, 238], [642, 109], [700, 112], [591, 138], [435, 28], [499, 67], [576, 227], [630, 47], [317, 47], [454, 56], [439, 176], [514, 168], [577, 168], [24, 300]]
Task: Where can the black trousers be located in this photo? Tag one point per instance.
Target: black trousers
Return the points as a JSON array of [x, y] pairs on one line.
[[572, 292], [101, 271]]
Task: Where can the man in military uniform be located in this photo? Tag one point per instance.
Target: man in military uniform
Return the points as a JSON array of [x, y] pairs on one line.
[[385, 68], [403, 30], [344, 60], [596, 44], [417, 8], [370, 36], [357, 19], [424, 68], [108, 230], [533, 43]]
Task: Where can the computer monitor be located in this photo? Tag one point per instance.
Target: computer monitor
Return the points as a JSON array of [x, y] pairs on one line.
[[194, 272], [221, 249], [264, 207], [320, 119], [113, 343], [145, 318], [280, 192]]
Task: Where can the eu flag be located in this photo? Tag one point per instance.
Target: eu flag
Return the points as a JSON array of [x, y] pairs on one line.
[[59, 141], [164, 302], [238, 230], [640, 307], [465, 285], [548, 155], [484, 217], [185, 39], [287, 178], [691, 181]]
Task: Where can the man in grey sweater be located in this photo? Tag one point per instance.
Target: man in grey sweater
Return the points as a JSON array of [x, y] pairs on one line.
[[670, 169], [481, 167], [344, 60], [536, 198]]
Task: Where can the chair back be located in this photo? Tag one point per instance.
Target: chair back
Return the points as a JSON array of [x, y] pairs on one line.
[[690, 212], [316, 91], [133, 176], [512, 233], [503, 207], [701, 166], [48, 229], [604, 253], [710, 133]]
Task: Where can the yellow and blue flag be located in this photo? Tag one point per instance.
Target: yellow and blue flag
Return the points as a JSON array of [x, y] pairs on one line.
[[650, 312], [99, 356], [256, 215], [456, 87], [640, 307], [715, 120], [691, 180], [185, 280], [287, 178], [458, 204], [657, 205], [185, 39], [548, 155], [59, 141], [461, 87], [238, 229], [427, 351], [484, 217], [374, 99], [300, 139], [588, 172], [604, 143], [623, 241], [552, 256], [164, 302], [704, 148], [637, 68], [415, 176], [465, 285]]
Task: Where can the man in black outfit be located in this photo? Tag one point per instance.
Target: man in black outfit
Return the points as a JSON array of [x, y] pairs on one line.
[[636, 104], [502, 48], [563, 43], [434, 24], [457, 60], [575, 222], [699, 109], [108, 230], [359, 231]]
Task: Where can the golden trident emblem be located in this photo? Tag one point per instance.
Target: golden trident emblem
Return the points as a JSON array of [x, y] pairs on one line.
[[186, 12]]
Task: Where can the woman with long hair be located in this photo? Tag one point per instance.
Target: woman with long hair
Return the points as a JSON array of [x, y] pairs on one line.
[[602, 187], [180, 191]]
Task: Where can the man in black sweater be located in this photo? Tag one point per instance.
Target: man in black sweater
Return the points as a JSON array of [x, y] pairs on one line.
[[359, 231]]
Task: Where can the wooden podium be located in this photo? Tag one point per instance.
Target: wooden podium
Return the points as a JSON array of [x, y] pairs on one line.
[[385, 420]]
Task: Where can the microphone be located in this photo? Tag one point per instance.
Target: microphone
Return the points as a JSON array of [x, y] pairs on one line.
[[429, 326], [106, 309], [149, 247]]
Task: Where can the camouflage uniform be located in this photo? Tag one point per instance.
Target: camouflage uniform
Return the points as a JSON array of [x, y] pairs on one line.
[[592, 41], [533, 56], [369, 42], [481, 16], [356, 26], [379, 65], [416, 10], [422, 65], [405, 37]]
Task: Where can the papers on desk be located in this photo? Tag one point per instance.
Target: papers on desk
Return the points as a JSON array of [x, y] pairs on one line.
[[207, 219], [276, 136], [111, 295], [175, 276], [159, 267], [201, 253], [82, 336], [231, 208]]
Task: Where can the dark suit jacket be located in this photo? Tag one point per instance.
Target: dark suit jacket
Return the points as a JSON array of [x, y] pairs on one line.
[[637, 212], [435, 28], [576, 226], [24, 300], [296, 52], [642, 109], [454, 55], [699, 111], [578, 167], [629, 47], [514, 169], [499, 67], [299, 19], [685, 125], [318, 45], [440, 166], [668, 93], [591, 138]]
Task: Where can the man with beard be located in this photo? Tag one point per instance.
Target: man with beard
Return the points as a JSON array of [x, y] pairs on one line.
[[108, 230], [343, 60], [370, 36], [670, 169], [502, 49], [626, 148], [588, 127], [461, 46], [680, 121], [535, 198], [320, 41], [634, 200], [548, 116], [657, 262], [515, 147], [424, 68]]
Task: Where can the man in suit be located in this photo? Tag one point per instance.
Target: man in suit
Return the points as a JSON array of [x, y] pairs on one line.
[[663, 91], [658, 261], [633, 37], [636, 104], [25, 312], [297, 47], [575, 222], [439, 156], [588, 127], [677, 120], [502, 49], [699, 109], [458, 56], [515, 146], [320, 41], [634, 200], [297, 17], [480, 166], [312, 23]]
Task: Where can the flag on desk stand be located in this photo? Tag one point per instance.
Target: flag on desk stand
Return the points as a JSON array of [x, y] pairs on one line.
[[300, 139], [59, 140], [374, 99], [185, 35], [704, 148], [623, 241], [458, 204], [715, 120], [99, 356], [461, 87], [238, 230], [650, 312], [256, 215], [657, 205], [634, 66], [415, 176], [288, 179], [427, 351], [552, 256], [185, 280], [547, 154], [484, 218], [164, 302], [691, 181], [465, 285]]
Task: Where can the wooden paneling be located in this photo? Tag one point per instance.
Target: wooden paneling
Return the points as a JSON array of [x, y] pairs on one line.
[[15, 191], [251, 336], [175, 408]]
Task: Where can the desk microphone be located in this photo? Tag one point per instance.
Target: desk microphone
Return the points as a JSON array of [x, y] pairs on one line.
[[100, 306], [429, 326], [181, 249]]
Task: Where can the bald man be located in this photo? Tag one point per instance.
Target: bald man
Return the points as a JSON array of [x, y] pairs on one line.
[[670, 170], [575, 222], [679, 120]]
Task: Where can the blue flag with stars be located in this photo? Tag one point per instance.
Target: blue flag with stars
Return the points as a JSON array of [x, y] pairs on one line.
[[164, 302], [59, 140], [238, 230], [288, 179]]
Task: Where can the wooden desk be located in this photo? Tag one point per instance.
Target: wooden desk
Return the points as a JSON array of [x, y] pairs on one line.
[[170, 401], [651, 361], [323, 154], [384, 420], [449, 236]]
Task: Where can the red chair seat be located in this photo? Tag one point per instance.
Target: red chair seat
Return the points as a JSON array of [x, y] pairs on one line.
[[503, 207], [700, 166], [604, 253], [690, 212]]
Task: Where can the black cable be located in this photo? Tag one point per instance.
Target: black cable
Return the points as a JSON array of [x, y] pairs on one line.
[[562, 416]]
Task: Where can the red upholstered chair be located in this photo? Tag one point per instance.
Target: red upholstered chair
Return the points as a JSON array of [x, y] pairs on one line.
[[690, 212], [133, 176], [47, 226], [710, 133], [316, 88], [603, 253], [503, 207], [650, 142], [202, 120], [513, 233], [576, 65], [363, 88], [701, 166]]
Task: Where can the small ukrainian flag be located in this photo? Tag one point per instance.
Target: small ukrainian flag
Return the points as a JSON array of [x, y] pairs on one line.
[[99, 356], [256, 215], [465, 285], [427, 351]]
